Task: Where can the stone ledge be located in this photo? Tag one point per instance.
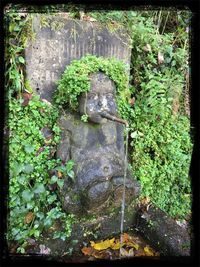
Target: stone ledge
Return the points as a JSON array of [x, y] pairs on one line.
[[163, 233]]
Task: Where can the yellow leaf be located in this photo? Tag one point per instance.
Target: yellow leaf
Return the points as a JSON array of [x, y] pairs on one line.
[[133, 245], [116, 245], [148, 251], [102, 245]]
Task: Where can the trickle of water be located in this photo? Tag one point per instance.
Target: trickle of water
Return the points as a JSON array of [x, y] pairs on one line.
[[124, 186]]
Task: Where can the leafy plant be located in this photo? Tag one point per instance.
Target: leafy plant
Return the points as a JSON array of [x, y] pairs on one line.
[[34, 205], [158, 120], [160, 144], [75, 79]]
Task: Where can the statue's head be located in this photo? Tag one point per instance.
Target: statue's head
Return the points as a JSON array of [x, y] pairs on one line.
[[101, 98]]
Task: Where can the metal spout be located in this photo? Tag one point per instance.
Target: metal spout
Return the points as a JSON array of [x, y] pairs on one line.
[[114, 118]]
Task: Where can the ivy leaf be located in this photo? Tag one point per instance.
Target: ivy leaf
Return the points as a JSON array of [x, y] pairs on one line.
[[51, 199], [21, 59], [21, 179], [69, 165], [60, 183], [28, 168], [16, 169], [27, 195], [29, 148], [39, 188], [71, 174], [54, 179]]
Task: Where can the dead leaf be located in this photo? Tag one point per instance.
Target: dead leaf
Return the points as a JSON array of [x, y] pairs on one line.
[[100, 254], [26, 98], [133, 245], [59, 174], [103, 245], [29, 217], [148, 251], [116, 245], [125, 237], [160, 58], [87, 250], [145, 201]]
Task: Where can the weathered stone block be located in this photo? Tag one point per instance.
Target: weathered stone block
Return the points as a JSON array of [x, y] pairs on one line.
[[163, 233], [50, 52]]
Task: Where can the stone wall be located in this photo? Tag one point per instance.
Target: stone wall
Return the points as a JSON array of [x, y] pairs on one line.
[[50, 52]]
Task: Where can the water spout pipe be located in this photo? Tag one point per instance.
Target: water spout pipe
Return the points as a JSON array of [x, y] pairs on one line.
[[114, 118]]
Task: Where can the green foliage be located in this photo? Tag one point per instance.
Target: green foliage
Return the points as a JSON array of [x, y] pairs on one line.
[[75, 79], [30, 160], [18, 30], [159, 126], [161, 144]]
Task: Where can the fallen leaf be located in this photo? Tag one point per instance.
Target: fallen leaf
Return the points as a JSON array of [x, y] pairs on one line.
[[148, 251], [87, 250], [145, 201], [125, 237], [29, 217], [102, 245], [26, 98], [100, 255], [133, 245], [116, 246], [59, 174]]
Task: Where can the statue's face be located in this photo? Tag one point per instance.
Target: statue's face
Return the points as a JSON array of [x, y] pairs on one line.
[[100, 98]]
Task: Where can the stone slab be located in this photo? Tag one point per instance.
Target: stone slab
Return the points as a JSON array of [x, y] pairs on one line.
[[53, 49], [163, 233]]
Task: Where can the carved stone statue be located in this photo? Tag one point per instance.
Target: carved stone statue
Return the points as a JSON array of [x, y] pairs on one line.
[[97, 148]]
